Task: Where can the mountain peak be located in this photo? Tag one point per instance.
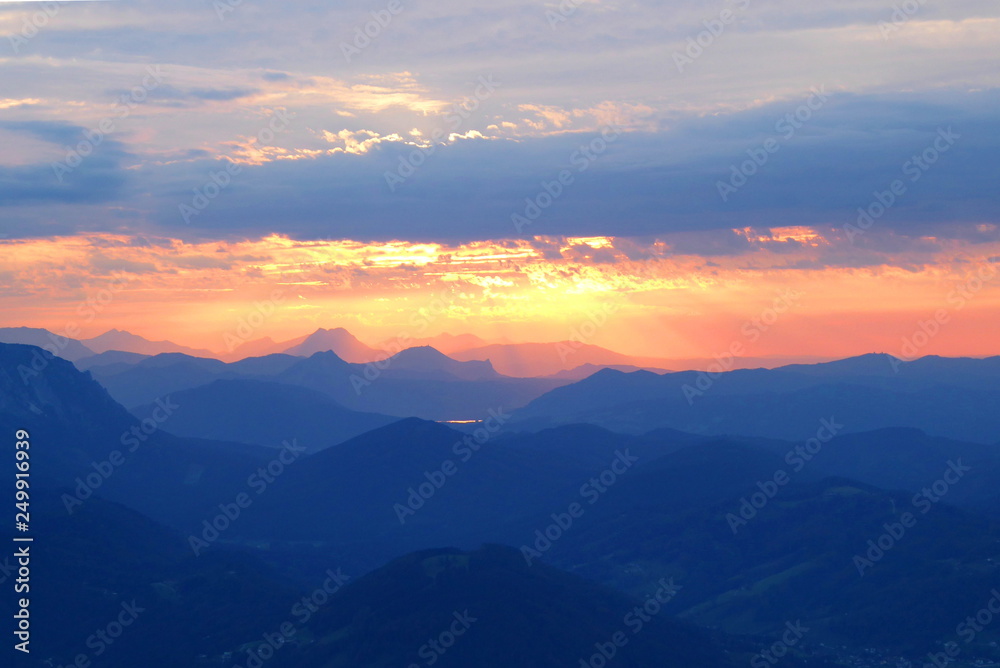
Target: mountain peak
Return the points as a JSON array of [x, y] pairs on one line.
[[421, 352], [66, 348], [428, 358], [328, 356], [121, 340], [415, 595], [338, 340], [869, 364]]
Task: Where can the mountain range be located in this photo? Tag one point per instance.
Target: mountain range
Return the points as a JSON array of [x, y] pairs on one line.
[[563, 358], [945, 397], [234, 490]]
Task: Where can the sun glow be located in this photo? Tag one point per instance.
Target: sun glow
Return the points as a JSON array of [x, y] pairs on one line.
[[665, 303]]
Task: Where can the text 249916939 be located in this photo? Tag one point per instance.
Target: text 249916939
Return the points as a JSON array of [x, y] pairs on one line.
[[22, 540]]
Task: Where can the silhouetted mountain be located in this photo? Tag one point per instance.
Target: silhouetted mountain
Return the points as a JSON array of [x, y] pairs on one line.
[[910, 460], [965, 372], [805, 555], [116, 339], [259, 348], [88, 443], [426, 362], [942, 397], [252, 411], [659, 505], [446, 343], [55, 344], [157, 376], [502, 613], [358, 492], [270, 365], [668, 516], [420, 382], [587, 370], [529, 360], [424, 385], [112, 361], [339, 341], [108, 564]]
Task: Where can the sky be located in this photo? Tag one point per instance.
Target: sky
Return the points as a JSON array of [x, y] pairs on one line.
[[801, 179]]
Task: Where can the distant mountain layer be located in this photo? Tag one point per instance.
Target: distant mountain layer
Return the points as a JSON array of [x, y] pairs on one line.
[[339, 341], [545, 359], [526, 360], [587, 370], [446, 343], [264, 413], [54, 344], [131, 343], [756, 533], [417, 382], [945, 397], [113, 358], [89, 444]]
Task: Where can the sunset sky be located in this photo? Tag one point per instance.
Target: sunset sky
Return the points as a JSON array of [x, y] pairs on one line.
[[679, 167]]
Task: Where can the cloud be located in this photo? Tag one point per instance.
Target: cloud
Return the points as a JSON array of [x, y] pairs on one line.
[[97, 177], [359, 142], [642, 183], [167, 94], [102, 265], [609, 62]]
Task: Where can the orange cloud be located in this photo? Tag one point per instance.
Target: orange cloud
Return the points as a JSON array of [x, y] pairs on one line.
[[665, 304]]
